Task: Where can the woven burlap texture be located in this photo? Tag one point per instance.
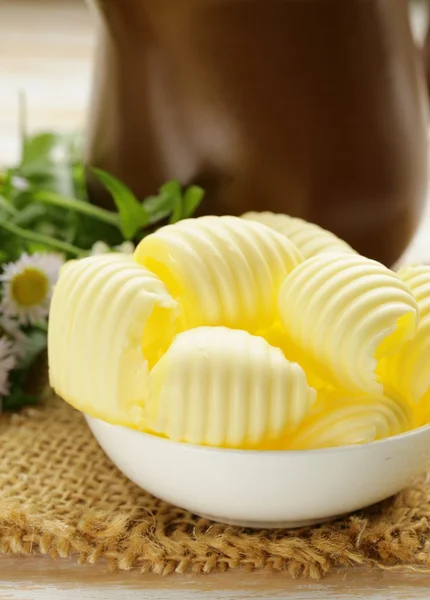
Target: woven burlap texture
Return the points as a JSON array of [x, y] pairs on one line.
[[61, 496]]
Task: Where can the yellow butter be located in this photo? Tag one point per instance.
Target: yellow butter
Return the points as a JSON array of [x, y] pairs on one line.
[[423, 417], [344, 312], [408, 371], [309, 238], [277, 336], [340, 419], [225, 387], [222, 270], [108, 315]]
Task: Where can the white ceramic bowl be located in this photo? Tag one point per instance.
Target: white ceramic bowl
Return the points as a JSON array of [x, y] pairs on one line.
[[266, 488]]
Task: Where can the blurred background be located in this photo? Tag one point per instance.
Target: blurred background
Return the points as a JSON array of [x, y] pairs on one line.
[[46, 52]]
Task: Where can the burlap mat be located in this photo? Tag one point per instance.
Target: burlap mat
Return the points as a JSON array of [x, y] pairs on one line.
[[61, 496]]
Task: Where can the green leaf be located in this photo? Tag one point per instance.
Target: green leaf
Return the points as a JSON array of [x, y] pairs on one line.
[[170, 201], [6, 186], [177, 212], [157, 207], [53, 178], [44, 203], [80, 181], [48, 161], [11, 247], [44, 240], [77, 205], [132, 216], [172, 191], [38, 148], [191, 200], [17, 398]]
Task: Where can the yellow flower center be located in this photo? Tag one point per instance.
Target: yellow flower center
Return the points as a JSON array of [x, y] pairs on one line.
[[30, 287]]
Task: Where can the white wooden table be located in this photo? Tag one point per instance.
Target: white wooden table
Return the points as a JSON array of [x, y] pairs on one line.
[[45, 51]]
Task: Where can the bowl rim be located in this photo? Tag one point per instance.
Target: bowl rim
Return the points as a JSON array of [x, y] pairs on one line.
[[242, 451]]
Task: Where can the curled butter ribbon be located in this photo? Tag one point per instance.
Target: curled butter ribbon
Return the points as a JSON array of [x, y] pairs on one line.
[[222, 270], [102, 309], [407, 372], [226, 387], [344, 312], [340, 419], [309, 238]]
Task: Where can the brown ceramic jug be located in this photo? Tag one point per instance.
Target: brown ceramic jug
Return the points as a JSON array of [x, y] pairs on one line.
[[315, 108], [426, 52]]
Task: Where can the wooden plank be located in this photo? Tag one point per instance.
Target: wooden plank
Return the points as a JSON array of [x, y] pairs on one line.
[[34, 578]]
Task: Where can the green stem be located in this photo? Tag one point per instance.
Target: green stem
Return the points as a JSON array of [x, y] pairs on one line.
[[46, 240], [7, 206], [77, 205]]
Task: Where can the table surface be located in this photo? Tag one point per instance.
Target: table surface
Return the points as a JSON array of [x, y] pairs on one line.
[[42, 43], [38, 578]]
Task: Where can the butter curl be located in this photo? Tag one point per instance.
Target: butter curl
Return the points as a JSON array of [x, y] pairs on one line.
[[226, 387], [109, 317], [309, 238], [408, 371], [344, 312], [222, 270], [340, 420]]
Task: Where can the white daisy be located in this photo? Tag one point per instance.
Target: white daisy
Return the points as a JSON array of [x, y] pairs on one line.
[[7, 363], [102, 248], [99, 248], [27, 286], [125, 248], [9, 328]]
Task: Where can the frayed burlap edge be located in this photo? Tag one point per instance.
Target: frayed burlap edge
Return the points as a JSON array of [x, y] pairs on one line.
[[126, 546], [61, 497]]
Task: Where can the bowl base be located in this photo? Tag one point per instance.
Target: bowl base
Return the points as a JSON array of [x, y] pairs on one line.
[[272, 524]]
